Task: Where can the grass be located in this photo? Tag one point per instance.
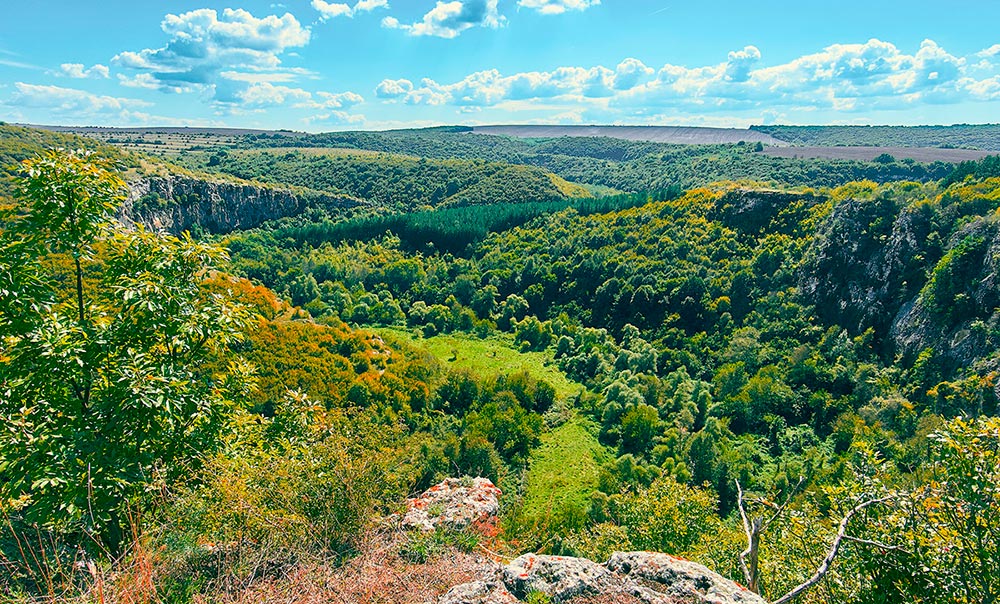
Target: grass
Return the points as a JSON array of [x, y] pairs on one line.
[[487, 358], [564, 470]]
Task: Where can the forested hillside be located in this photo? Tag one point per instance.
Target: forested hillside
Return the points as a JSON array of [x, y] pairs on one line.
[[399, 183], [220, 416]]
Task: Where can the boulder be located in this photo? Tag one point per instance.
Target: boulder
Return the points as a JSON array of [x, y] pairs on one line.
[[628, 577], [559, 577], [680, 580], [455, 503]]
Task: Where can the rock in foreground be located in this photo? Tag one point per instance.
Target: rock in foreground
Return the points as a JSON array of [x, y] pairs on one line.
[[628, 577]]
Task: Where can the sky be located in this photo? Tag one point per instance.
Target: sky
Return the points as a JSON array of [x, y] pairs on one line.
[[321, 65]]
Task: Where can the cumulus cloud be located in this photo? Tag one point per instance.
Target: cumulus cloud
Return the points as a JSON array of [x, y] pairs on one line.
[[557, 7], [869, 75], [333, 100], [78, 70], [393, 89], [202, 44], [260, 96], [449, 19], [265, 94], [490, 87], [329, 10], [69, 102]]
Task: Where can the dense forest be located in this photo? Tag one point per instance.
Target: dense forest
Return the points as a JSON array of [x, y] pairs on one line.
[[206, 416]]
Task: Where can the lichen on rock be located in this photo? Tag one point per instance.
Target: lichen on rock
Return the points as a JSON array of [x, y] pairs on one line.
[[456, 503]]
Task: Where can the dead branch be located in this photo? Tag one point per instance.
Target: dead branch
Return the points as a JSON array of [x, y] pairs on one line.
[[832, 554], [754, 528]]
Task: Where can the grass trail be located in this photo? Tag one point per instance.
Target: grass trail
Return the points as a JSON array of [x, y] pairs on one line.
[[564, 470]]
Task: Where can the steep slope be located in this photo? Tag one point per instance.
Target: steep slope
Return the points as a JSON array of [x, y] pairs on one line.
[[177, 203]]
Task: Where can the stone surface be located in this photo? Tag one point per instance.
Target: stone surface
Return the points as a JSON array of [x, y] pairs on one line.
[[680, 580], [559, 577], [454, 503], [628, 577], [479, 592]]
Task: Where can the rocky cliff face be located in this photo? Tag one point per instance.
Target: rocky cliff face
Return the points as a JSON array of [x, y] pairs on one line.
[[876, 265], [864, 266], [178, 203], [957, 313], [752, 210]]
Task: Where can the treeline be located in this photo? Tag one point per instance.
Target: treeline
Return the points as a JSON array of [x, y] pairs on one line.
[[985, 168], [973, 136], [453, 230]]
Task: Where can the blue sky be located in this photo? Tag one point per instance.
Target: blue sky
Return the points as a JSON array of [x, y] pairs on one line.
[[344, 64]]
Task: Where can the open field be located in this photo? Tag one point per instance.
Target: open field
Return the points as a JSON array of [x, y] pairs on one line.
[[921, 154], [681, 135], [564, 470], [486, 358], [165, 140], [957, 136]]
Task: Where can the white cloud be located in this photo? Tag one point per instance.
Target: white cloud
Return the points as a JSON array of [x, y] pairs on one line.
[[329, 10], [449, 19], [202, 44], [992, 51], [331, 100], [78, 70], [846, 77], [393, 89], [557, 7], [336, 118], [264, 94], [260, 96], [69, 102]]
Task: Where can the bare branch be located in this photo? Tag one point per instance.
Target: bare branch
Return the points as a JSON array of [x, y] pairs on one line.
[[832, 554], [746, 529], [882, 546]]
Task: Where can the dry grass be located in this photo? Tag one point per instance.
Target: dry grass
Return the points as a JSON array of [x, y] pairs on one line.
[[376, 575]]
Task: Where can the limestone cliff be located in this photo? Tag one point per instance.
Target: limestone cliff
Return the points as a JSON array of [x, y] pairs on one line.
[[177, 203], [921, 277]]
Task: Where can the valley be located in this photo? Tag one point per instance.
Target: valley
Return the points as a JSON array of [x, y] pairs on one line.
[[636, 334]]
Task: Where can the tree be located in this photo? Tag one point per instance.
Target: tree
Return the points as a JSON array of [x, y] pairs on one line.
[[109, 388]]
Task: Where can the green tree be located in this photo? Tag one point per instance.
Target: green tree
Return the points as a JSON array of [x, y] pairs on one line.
[[107, 391]]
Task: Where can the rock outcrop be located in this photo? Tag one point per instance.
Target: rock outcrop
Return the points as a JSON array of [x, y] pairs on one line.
[[640, 577], [455, 503], [177, 203], [627, 578]]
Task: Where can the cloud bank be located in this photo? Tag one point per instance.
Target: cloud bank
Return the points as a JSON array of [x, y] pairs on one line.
[[844, 77], [330, 10]]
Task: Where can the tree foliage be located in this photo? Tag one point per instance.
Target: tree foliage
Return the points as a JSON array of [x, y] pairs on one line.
[[106, 390]]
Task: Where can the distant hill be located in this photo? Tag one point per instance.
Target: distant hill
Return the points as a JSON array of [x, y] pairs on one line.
[[921, 154], [968, 136], [678, 135]]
